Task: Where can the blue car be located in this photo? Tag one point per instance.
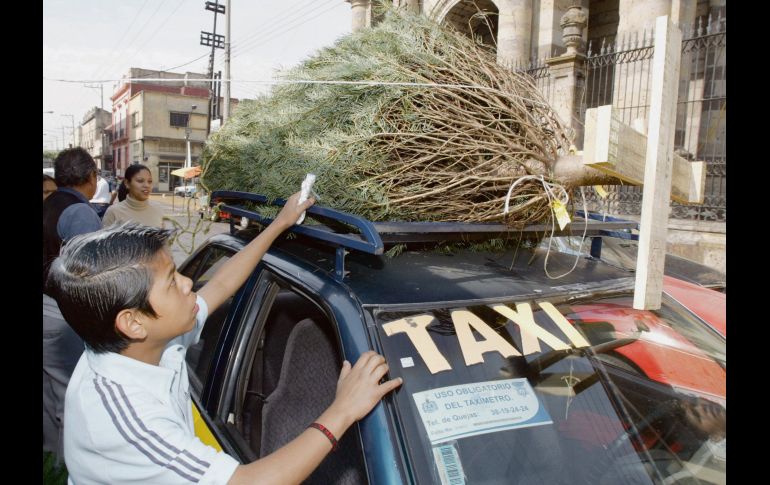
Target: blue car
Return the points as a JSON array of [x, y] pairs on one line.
[[509, 376]]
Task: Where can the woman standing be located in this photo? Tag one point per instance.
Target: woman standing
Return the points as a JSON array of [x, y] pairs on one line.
[[136, 207]]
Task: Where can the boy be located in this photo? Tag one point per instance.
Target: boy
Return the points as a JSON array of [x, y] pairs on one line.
[[127, 410]]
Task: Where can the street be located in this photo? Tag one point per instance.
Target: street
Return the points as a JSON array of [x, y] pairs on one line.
[[191, 230]]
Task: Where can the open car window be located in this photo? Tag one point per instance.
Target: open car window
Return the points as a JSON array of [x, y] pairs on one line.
[[589, 391]]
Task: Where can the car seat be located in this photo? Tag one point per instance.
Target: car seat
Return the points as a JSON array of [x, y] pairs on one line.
[[306, 387]]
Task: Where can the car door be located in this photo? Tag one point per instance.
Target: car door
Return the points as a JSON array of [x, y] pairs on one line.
[[282, 374], [205, 358]]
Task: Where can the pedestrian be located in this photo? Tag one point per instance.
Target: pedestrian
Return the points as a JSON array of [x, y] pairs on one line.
[[128, 409], [120, 191], [101, 200], [137, 206], [49, 186], [66, 213]]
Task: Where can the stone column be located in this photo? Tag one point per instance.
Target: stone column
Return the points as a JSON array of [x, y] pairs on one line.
[[548, 31], [568, 72], [514, 32], [360, 14], [637, 15]]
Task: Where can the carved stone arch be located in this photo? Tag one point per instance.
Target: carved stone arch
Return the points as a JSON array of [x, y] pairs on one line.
[[443, 7], [458, 13]]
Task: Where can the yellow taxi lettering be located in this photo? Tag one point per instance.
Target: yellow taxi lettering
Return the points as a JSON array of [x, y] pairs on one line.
[[473, 349], [531, 332], [415, 329], [577, 340]]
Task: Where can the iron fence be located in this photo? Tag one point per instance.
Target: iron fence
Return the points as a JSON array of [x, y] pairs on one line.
[[617, 72]]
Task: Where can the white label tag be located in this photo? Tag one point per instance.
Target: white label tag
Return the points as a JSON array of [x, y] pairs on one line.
[[464, 410], [407, 362], [450, 469]]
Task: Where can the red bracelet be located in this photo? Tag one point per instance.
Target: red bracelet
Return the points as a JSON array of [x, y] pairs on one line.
[[320, 427]]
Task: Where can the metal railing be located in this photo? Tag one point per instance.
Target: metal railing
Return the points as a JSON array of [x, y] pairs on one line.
[[617, 72]]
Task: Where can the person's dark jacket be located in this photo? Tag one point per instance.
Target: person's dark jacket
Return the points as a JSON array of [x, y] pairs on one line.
[[84, 219]]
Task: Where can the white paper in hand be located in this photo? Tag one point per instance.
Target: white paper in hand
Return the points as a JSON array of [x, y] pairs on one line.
[[307, 187]]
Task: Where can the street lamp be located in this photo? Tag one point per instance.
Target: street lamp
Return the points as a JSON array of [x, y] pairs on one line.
[[187, 133]]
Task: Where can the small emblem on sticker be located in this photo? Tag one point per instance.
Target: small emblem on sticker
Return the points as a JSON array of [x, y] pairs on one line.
[[520, 388], [407, 362], [429, 406]]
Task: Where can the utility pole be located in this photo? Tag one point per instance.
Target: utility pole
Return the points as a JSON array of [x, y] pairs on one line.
[[226, 111], [72, 119], [216, 42], [101, 93]]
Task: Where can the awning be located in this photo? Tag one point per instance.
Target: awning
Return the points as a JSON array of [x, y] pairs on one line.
[[187, 172]]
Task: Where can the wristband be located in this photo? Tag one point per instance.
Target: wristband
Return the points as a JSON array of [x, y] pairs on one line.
[[320, 427]]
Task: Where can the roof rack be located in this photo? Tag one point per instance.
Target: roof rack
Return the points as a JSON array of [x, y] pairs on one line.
[[371, 237]]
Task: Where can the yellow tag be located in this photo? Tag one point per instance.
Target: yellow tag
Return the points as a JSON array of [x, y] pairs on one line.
[[600, 190], [561, 214]]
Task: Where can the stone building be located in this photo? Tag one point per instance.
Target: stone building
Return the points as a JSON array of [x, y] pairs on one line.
[[92, 134], [588, 53]]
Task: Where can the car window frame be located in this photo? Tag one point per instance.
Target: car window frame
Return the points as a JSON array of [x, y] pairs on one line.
[[199, 267], [251, 330]]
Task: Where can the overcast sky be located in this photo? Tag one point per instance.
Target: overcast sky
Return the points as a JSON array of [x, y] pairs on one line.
[[99, 40]]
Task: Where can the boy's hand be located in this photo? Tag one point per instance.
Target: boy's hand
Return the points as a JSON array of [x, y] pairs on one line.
[[291, 211], [358, 388]]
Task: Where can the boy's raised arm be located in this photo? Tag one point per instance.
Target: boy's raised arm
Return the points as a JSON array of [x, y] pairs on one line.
[[358, 391], [234, 272]]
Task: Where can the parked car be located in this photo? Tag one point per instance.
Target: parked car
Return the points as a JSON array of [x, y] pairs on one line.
[[185, 190], [509, 376]]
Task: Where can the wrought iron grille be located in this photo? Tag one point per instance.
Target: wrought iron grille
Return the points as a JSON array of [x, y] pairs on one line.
[[617, 72]]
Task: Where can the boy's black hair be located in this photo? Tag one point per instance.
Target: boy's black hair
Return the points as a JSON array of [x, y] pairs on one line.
[[101, 273]]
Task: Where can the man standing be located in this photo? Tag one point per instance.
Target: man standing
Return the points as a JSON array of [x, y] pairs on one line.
[[101, 200], [66, 213]]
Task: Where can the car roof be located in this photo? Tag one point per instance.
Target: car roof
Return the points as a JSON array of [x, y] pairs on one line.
[[424, 277]]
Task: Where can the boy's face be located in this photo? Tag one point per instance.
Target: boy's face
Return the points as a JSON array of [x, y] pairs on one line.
[[172, 298]]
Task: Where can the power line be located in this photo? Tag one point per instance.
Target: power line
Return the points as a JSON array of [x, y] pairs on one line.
[[117, 44], [176, 67], [272, 34], [259, 33], [280, 17], [155, 32], [118, 57], [128, 44]]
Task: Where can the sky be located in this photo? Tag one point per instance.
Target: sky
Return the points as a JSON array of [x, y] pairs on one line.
[[95, 42]]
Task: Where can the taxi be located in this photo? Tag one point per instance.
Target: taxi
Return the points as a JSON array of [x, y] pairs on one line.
[[510, 376]]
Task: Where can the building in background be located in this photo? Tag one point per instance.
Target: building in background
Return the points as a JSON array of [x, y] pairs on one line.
[[152, 121], [92, 134]]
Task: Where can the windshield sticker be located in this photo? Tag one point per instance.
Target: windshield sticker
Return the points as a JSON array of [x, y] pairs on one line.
[[450, 469], [407, 362], [416, 329], [460, 411]]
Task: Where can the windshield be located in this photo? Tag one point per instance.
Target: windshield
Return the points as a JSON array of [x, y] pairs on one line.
[[590, 392]]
